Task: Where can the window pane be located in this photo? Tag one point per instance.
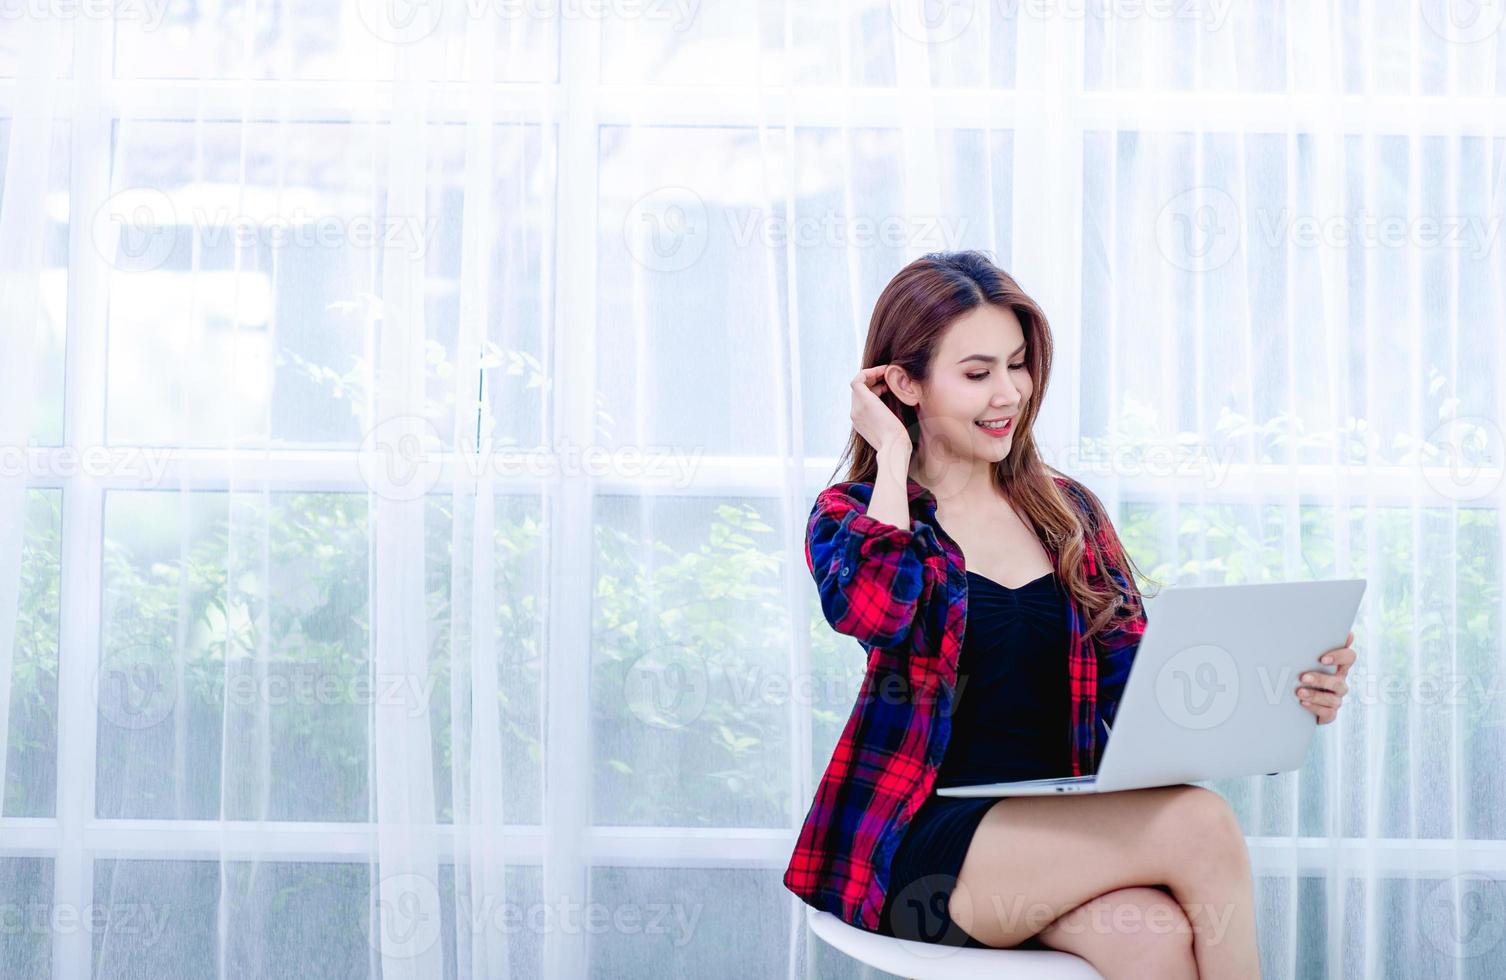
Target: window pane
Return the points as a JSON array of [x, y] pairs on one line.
[[283, 919], [243, 305], [293, 697], [46, 424], [519, 637], [32, 748], [690, 688], [671, 922], [519, 280], [1185, 230], [26, 899]]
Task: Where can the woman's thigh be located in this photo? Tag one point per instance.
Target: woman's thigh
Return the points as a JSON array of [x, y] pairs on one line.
[[1035, 858]]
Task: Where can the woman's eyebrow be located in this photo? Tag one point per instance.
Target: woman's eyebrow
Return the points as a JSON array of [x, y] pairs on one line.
[[990, 358]]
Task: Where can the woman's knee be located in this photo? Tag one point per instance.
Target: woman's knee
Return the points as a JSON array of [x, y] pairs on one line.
[[1207, 835], [1139, 931]]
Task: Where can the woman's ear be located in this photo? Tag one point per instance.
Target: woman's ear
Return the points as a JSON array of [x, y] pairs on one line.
[[904, 387]]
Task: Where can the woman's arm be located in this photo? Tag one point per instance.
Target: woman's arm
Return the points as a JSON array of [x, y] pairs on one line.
[[869, 571]]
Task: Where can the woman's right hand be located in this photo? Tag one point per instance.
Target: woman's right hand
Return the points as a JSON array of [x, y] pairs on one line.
[[873, 420]]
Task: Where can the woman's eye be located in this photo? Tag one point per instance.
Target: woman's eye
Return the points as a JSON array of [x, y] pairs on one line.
[[979, 377]]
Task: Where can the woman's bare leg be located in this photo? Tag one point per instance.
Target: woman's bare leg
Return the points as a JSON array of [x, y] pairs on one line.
[[1034, 859], [1128, 934]]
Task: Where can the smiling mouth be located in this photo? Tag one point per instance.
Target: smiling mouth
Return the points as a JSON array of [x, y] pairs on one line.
[[1000, 427]]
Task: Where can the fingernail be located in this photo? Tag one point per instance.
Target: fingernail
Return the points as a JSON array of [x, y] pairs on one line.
[[1326, 659]]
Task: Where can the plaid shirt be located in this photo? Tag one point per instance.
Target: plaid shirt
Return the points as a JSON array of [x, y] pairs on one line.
[[902, 593]]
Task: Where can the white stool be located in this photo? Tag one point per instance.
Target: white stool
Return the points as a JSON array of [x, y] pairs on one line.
[[934, 961]]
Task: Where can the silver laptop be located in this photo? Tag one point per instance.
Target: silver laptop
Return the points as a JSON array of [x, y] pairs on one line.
[[1211, 691]]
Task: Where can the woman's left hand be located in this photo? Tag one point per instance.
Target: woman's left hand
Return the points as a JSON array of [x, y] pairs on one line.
[[1322, 692]]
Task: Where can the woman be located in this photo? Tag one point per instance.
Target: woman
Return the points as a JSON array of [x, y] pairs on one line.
[[950, 519]]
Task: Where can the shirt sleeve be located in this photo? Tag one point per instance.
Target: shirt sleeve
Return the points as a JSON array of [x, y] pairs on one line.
[[870, 575], [1121, 641]]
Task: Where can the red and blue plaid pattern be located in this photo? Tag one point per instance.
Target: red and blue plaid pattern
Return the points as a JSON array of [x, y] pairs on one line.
[[902, 593]]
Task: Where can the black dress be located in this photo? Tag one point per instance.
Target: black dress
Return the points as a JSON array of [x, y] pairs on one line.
[[1009, 722]]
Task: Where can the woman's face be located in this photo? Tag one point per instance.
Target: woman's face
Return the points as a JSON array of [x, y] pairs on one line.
[[978, 374]]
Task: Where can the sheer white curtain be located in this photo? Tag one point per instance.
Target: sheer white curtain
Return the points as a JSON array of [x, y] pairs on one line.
[[410, 416]]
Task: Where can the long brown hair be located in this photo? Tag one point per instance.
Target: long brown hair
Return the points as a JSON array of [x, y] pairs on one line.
[[909, 319]]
